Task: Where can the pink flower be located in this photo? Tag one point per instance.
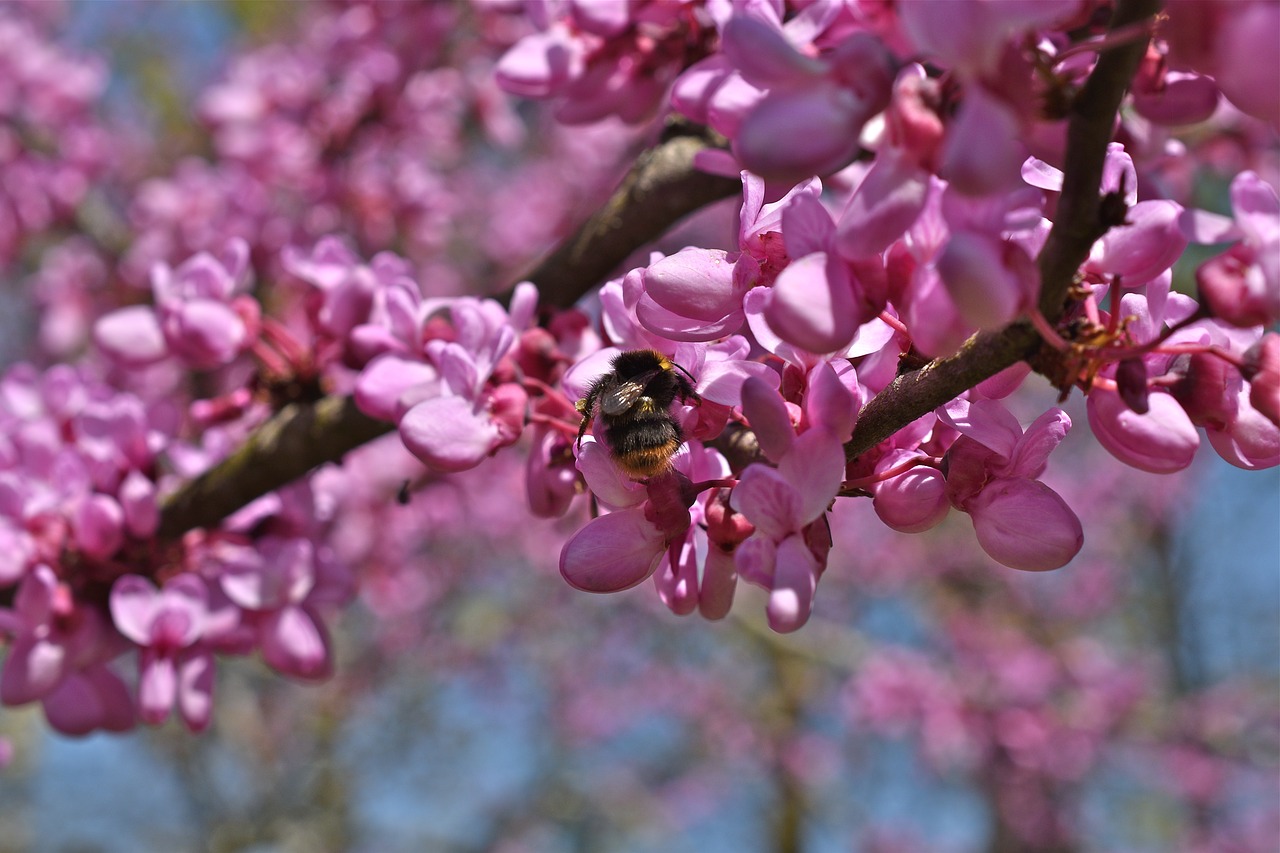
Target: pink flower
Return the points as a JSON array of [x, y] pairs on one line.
[[1262, 369], [912, 501], [57, 654], [198, 318], [1242, 286], [991, 473], [787, 505], [622, 548], [829, 99], [167, 625], [279, 585], [451, 410]]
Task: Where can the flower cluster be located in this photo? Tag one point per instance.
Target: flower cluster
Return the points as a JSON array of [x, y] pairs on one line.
[[898, 184], [52, 147]]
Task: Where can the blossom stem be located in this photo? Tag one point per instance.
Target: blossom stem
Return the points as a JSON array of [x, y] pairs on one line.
[[889, 473], [1206, 349], [558, 425], [895, 323], [1047, 331], [722, 483], [1128, 34], [271, 359]]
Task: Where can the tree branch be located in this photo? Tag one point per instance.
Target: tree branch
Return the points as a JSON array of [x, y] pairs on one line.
[[1090, 126], [661, 187], [296, 439]]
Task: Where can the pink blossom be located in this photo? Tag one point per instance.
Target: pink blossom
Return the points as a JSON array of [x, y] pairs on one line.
[[884, 205], [1161, 440], [913, 501], [1172, 97], [57, 653], [982, 147], [600, 59], [1262, 366], [991, 473], [622, 548], [198, 314], [970, 36], [279, 584], [1242, 286], [786, 505], [167, 625], [831, 98]]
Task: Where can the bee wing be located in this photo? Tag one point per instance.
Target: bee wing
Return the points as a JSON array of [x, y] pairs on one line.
[[621, 397]]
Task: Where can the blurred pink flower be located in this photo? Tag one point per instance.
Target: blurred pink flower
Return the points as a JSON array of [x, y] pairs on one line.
[[167, 625]]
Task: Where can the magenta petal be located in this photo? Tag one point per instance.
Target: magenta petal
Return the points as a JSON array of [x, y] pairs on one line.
[[1256, 207], [770, 420], [157, 686], [1144, 248], [982, 151], [1024, 524], [390, 384], [815, 469], [829, 403], [32, 669], [1162, 440], [1252, 442], [793, 134], [988, 294], [768, 501], [1182, 99], [722, 381], [133, 607], [795, 580], [131, 335], [448, 433], [16, 551], [137, 497], [677, 582], [295, 642], [99, 526], [1246, 77], [604, 478], [539, 64], [987, 422], [886, 203], [914, 501], [195, 690], [763, 55], [676, 327], [719, 581], [811, 305], [696, 283], [1040, 439], [755, 560], [204, 333], [612, 553], [94, 699]]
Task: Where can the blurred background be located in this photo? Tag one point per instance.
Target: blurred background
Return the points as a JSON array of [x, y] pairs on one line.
[[936, 701]]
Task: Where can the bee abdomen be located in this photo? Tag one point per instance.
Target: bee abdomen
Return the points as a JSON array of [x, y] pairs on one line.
[[643, 446]]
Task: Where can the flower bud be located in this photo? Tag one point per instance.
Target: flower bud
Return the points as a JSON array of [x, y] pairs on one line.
[[1262, 369], [1131, 382]]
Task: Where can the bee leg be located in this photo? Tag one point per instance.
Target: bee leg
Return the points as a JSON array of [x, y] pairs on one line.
[[587, 408]]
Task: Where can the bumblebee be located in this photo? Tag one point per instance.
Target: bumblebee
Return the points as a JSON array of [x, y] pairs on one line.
[[634, 400]]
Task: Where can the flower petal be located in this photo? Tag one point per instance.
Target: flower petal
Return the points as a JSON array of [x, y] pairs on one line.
[[449, 433], [1024, 524], [612, 553]]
